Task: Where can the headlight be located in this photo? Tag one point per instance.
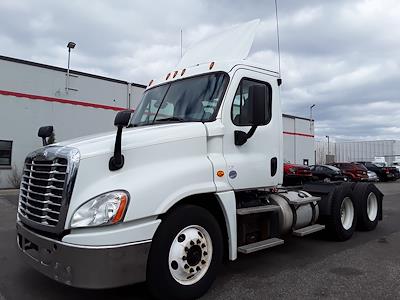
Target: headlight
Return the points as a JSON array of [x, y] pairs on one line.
[[105, 209]]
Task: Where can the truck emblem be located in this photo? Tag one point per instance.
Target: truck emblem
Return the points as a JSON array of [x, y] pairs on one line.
[[232, 174]]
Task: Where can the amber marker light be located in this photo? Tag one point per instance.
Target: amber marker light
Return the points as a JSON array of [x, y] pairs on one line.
[[211, 65], [220, 173], [121, 209]]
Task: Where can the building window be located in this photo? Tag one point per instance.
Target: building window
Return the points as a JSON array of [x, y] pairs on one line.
[[5, 153], [241, 110]]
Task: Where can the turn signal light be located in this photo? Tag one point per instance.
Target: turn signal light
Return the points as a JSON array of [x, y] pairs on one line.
[[220, 173], [120, 213]]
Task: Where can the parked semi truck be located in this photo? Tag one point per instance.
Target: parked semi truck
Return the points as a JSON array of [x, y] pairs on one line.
[[192, 177]]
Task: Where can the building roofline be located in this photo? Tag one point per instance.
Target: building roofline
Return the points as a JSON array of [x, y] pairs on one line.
[[296, 117], [40, 65]]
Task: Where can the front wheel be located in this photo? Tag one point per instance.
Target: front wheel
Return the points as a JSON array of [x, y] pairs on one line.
[[185, 254]]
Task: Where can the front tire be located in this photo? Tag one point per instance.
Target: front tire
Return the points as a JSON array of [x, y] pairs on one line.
[[185, 254]]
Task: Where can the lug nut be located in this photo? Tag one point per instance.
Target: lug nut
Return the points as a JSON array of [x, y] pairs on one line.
[[191, 243], [183, 257], [181, 238], [198, 241], [186, 266], [203, 262], [191, 270], [186, 249], [203, 245], [198, 268], [205, 253], [174, 265]]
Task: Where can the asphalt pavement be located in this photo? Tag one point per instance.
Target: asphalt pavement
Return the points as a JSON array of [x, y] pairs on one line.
[[365, 267]]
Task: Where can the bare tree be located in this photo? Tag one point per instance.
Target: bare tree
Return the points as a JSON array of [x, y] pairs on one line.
[[15, 177]]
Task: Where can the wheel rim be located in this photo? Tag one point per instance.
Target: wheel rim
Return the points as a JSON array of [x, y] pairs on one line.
[[190, 255], [372, 206], [347, 213]]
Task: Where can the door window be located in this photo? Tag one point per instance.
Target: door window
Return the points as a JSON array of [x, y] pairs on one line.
[[241, 108]]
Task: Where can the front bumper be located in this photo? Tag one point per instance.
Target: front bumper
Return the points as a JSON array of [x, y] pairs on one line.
[[94, 267]]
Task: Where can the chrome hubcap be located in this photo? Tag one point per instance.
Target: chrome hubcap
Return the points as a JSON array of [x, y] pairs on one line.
[[190, 255], [372, 206], [347, 213]]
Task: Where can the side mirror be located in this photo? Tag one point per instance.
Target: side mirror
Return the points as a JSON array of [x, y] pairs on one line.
[[257, 104], [121, 120], [258, 99], [45, 132]]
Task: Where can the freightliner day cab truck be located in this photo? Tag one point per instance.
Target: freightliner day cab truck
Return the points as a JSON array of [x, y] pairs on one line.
[[192, 177]]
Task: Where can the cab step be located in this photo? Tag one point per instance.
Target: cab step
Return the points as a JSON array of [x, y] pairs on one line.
[[261, 245], [308, 230], [257, 209]]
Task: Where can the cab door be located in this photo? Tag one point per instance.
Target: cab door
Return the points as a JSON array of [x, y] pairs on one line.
[[258, 162]]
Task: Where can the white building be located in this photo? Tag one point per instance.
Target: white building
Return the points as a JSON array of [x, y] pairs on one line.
[[34, 95], [359, 150]]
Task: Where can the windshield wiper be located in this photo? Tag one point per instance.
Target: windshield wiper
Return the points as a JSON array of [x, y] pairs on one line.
[[171, 119]]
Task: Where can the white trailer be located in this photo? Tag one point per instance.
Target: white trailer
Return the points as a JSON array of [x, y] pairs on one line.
[[193, 176]]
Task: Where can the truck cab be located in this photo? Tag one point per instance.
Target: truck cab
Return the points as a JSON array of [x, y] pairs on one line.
[[192, 176]]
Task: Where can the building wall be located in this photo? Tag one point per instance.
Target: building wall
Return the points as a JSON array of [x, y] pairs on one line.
[[32, 95], [298, 140], [359, 150]]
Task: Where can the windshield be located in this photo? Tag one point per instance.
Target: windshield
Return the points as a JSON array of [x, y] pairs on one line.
[[193, 99], [333, 168]]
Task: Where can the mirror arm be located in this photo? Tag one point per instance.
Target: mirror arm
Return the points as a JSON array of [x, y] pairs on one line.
[[117, 161], [241, 137], [44, 141]]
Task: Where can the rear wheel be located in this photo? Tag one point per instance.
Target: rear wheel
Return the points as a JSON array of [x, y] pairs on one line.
[[368, 202], [342, 220], [185, 254]]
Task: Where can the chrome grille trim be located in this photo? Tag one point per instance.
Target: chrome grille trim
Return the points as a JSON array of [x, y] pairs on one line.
[[46, 187]]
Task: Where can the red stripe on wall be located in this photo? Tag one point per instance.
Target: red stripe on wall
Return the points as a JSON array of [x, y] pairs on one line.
[[59, 100], [299, 134]]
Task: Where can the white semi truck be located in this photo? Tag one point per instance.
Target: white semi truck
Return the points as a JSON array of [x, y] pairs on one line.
[[192, 177]]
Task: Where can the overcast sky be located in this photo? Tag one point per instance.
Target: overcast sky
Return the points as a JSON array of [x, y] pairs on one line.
[[343, 56]]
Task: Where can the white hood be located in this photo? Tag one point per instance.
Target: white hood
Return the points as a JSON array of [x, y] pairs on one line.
[[135, 137]]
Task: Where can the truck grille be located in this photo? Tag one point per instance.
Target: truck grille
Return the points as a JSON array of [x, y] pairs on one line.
[[42, 190], [46, 187]]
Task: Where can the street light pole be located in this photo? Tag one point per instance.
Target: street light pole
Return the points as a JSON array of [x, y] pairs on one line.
[[70, 45], [327, 136], [311, 108]]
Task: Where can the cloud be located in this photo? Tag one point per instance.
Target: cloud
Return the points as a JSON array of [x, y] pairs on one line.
[[340, 55]]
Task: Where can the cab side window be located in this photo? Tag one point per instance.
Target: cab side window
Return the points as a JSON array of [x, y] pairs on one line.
[[241, 112]]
